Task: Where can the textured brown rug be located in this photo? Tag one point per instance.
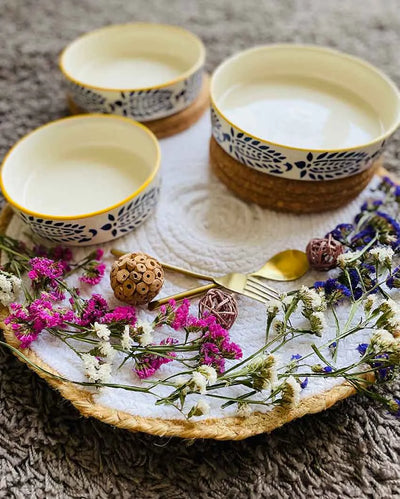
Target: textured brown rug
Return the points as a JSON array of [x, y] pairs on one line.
[[46, 448]]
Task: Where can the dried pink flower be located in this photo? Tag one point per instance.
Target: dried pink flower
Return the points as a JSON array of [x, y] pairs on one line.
[[125, 314], [94, 273]]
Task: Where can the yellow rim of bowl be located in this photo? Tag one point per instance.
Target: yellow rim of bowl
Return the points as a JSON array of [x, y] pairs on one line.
[[94, 213], [199, 63], [352, 58]]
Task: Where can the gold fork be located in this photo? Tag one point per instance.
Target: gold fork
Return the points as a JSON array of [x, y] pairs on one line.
[[287, 265]]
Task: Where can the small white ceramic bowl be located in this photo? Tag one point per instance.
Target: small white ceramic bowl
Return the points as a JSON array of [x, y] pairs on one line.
[[302, 112], [143, 71], [83, 180]]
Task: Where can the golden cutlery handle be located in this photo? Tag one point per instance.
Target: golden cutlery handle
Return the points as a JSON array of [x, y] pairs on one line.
[[189, 273], [180, 296]]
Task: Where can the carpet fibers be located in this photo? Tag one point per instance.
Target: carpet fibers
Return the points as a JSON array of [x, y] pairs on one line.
[[46, 449]]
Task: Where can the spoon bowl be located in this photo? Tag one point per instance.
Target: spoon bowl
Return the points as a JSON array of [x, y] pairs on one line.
[[287, 265]]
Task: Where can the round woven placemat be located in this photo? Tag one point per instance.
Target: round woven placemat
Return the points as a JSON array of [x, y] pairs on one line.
[[229, 428], [286, 195], [176, 123]]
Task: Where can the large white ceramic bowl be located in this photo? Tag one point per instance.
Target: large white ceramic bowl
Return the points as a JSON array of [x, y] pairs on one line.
[[144, 71], [83, 180], [302, 112]]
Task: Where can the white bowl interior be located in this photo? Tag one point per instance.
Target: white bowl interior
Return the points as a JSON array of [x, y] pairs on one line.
[[80, 165], [132, 56], [306, 97]]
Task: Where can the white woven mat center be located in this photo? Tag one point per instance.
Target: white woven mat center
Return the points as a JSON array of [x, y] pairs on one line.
[[200, 225]]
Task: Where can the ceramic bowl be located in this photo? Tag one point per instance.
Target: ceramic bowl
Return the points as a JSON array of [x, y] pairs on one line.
[[142, 71], [83, 180], [302, 112]]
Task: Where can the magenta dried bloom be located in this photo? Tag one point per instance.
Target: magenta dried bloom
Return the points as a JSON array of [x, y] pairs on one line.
[[231, 350], [64, 255], [28, 322], [148, 364], [181, 315], [144, 372], [169, 341], [94, 309], [40, 250], [210, 355], [99, 254], [61, 253], [125, 314], [216, 345], [44, 268], [94, 273]]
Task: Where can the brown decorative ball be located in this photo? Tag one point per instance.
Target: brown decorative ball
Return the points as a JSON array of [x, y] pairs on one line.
[[136, 278], [322, 254], [222, 305]]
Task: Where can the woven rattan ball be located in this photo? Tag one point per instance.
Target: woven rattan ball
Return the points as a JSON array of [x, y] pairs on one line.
[[322, 254], [222, 305], [136, 278]]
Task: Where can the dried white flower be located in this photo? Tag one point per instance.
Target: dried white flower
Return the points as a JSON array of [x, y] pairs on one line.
[[209, 373], [10, 287], [202, 408], [279, 327], [179, 381], [390, 318], [126, 340], [312, 299], [104, 373], [369, 303], [290, 393], [146, 339], [198, 382], [95, 370], [102, 331], [244, 410], [146, 329], [318, 323], [384, 256], [145, 326], [349, 259], [262, 370], [273, 308], [382, 338], [107, 350]]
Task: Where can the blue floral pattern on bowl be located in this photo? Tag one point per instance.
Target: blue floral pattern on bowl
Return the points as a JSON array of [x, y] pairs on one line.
[[291, 163], [141, 105], [96, 230]]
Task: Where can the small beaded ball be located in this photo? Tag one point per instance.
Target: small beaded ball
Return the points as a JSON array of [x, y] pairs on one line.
[[136, 278], [322, 254], [222, 305]]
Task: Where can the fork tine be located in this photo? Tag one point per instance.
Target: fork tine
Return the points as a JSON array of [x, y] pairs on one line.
[[264, 294], [259, 288], [261, 285], [254, 296]]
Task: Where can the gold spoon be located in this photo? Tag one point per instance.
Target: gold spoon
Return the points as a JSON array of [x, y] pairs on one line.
[[287, 265]]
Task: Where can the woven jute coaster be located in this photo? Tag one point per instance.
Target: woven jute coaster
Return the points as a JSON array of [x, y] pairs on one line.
[[176, 123], [229, 428], [286, 195]]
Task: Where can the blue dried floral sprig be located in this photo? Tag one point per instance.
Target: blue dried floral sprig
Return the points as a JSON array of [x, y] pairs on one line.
[[375, 226]]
